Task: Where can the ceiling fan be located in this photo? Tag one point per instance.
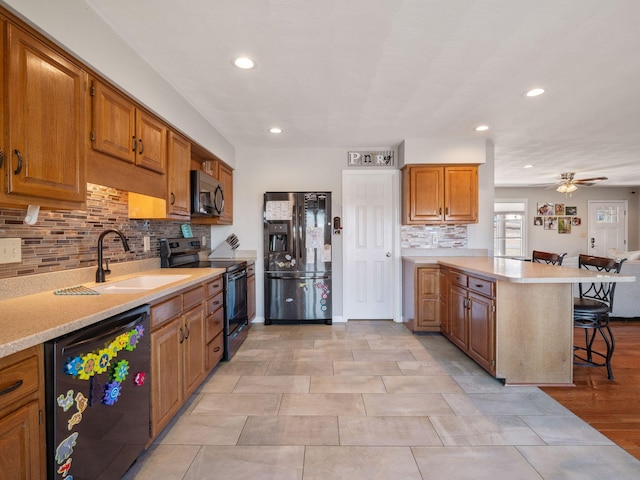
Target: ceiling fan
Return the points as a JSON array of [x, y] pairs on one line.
[[569, 184]]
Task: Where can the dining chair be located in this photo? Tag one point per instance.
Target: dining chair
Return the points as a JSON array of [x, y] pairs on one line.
[[591, 313], [547, 257]]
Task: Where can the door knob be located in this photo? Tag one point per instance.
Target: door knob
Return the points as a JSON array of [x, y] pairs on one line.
[[388, 254], [593, 242]]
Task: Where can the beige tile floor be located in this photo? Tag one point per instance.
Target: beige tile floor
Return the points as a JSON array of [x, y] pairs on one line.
[[369, 400]]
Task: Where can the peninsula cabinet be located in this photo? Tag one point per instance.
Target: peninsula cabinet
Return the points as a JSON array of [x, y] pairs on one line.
[[439, 194], [125, 131], [44, 153], [177, 353], [422, 297], [472, 312], [22, 435]]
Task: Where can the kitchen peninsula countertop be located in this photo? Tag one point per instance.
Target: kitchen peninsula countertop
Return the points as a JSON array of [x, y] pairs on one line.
[[517, 271], [527, 334], [36, 318]]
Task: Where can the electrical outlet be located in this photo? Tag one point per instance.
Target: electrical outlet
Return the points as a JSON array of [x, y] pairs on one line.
[[147, 243], [10, 250], [204, 241]]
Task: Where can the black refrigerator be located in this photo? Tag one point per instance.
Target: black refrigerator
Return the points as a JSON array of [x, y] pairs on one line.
[[297, 257]]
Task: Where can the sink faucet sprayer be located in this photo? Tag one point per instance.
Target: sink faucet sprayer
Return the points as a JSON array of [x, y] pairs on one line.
[[101, 272]]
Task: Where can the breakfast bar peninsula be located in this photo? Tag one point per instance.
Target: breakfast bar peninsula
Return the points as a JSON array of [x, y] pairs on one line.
[[514, 318]]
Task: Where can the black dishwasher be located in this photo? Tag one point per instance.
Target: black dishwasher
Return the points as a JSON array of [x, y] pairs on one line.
[[97, 394]]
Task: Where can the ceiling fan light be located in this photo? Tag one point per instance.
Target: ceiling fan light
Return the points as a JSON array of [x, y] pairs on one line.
[[567, 188]]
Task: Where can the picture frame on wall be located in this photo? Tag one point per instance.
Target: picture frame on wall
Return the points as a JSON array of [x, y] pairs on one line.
[[545, 208], [577, 221], [564, 224], [571, 211], [551, 223], [559, 209], [537, 221]]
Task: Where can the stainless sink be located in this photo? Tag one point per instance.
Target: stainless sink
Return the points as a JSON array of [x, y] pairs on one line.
[[138, 284]]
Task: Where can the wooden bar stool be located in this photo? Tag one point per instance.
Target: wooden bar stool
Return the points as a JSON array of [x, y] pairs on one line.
[[591, 313], [548, 258]]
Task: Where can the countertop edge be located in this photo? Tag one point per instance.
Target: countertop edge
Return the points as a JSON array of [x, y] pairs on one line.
[[517, 271], [21, 331]]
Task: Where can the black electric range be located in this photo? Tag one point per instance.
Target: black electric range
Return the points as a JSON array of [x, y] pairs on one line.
[[185, 253]]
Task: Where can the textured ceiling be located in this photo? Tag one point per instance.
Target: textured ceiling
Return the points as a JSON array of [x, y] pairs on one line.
[[369, 73]]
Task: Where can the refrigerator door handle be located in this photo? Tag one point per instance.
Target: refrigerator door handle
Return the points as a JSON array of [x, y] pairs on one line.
[[300, 236], [298, 276]]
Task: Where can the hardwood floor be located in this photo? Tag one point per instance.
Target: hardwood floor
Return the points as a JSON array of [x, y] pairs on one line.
[[610, 406]]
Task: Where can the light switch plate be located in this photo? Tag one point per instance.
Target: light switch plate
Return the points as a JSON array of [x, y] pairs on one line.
[[10, 250], [147, 243]]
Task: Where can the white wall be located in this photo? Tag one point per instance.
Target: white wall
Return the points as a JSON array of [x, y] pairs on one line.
[[262, 170], [576, 242], [74, 26]]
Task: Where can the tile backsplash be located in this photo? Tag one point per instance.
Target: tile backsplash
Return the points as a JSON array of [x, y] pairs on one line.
[[421, 236], [63, 239]]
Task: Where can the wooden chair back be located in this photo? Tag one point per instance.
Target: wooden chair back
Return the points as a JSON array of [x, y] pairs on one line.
[[602, 291], [547, 257]]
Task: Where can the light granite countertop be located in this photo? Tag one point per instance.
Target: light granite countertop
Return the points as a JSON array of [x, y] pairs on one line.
[[35, 318], [517, 271]]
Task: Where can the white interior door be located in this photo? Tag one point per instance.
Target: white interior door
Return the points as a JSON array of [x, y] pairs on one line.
[[607, 226], [369, 267]]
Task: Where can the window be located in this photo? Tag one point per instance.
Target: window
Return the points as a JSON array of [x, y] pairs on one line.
[[509, 235]]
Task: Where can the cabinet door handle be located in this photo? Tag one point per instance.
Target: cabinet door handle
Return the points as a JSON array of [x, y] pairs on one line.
[[19, 167], [446, 211], [182, 337], [141, 149], [1, 157], [186, 327], [217, 349], [134, 143], [478, 285], [173, 198], [10, 389], [440, 212]]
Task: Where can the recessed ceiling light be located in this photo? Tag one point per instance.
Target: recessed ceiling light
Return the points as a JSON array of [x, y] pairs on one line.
[[244, 63], [482, 128], [275, 130], [534, 92], [528, 166]]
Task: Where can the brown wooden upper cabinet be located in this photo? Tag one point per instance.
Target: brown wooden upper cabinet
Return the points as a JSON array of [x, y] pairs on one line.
[[45, 124], [224, 174], [179, 202], [124, 131], [439, 194]]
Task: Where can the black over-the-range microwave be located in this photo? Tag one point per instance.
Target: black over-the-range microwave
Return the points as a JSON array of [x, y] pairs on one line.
[[207, 195]]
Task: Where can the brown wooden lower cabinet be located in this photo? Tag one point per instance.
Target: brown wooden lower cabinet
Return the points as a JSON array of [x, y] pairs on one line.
[[178, 353], [214, 338], [22, 435], [472, 313], [518, 329]]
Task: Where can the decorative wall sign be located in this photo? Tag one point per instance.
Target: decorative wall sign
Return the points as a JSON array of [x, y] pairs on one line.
[[370, 159]]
